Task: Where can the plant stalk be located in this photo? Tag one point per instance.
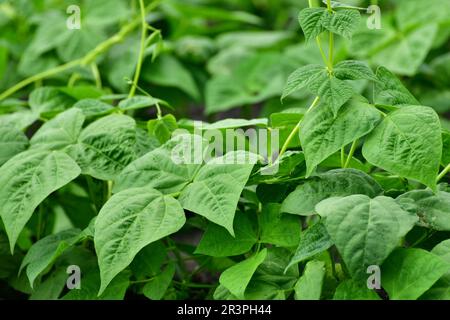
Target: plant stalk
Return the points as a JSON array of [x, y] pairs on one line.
[[295, 130], [352, 152], [141, 49], [443, 173]]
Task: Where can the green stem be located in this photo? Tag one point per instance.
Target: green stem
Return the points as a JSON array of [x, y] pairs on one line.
[[443, 173], [143, 281], [158, 107], [352, 152], [319, 44], [96, 74], [295, 130], [39, 76], [73, 79], [141, 50], [333, 265], [424, 237], [342, 157], [322, 53], [109, 187]]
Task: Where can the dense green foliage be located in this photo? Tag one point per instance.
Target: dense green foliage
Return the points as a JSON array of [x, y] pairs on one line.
[[99, 137]]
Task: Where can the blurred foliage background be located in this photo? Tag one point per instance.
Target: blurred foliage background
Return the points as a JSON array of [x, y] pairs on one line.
[[216, 58]]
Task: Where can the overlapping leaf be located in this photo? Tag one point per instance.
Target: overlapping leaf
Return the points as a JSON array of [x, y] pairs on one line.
[[128, 222], [364, 230], [409, 143]]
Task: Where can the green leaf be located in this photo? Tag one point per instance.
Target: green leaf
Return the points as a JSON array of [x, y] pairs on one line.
[[443, 250], [405, 52], [82, 92], [237, 278], [217, 187], [342, 22], [353, 290], [440, 70], [313, 241], [445, 148], [160, 168], [45, 251], [335, 93], [254, 79], [128, 222], [106, 146], [235, 123], [93, 107], [277, 228], [12, 142], [334, 183], [254, 39], [48, 101], [156, 288], [139, 102], [26, 180], [77, 205], [149, 260], [354, 224], [311, 21], [167, 71], [274, 270], [260, 290], [285, 123], [51, 287], [441, 289], [322, 134], [80, 42], [353, 70], [290, 165], [101, 13], [90, 283], [389, 90], [433, 209], [416, 13], [162, 128], [408, 273], [61, 131], [409, 143], [19, 120], [217, 241], [309, 76], [309, 286]]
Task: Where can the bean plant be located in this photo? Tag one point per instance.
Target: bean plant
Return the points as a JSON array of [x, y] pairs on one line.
[[114, 185]]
